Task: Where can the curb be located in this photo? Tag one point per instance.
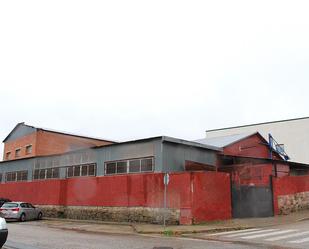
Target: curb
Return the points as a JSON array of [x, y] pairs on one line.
[[172, 232]]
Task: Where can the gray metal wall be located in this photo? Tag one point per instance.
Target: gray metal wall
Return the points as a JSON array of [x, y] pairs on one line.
[[21, 131], [9, 166], [150, 148], [175, 155], [168, 157]]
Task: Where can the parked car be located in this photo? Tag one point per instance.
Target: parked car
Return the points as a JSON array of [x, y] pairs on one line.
[[20, 211], [4, 200], [3, 232]]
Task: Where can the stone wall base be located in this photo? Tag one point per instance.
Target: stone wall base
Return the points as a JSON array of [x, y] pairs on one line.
[[116, 214], [293, 203]]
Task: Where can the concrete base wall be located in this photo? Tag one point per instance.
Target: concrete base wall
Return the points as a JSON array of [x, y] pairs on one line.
[[293, 202], [116, 214]]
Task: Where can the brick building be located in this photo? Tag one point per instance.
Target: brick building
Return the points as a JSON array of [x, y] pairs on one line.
[[29, 141]]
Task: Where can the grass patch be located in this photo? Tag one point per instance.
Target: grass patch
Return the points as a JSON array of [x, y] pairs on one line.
[[168, 233]]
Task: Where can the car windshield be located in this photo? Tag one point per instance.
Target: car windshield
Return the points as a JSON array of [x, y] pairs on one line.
[[9, 205]]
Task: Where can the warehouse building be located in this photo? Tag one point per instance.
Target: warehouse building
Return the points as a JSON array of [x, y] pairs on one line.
[[77, 176], [67, 155]]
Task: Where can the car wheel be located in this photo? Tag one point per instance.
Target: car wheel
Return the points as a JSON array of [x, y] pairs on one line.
[[40, 216], [22, 217]]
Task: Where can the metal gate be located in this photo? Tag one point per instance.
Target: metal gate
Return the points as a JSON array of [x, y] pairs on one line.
[[252, 201]]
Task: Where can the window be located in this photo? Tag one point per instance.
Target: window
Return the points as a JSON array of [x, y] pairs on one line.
[[146, 164], [134, 166], [76, 170], [56, 173], [17, 153], [49, 173], [41, 174], [16, 176], [23, 205], [28, 149], [8, 155], [91, 169], [36, 174], [70, 171], [21, 175], [121, 167], [81, 170], [84, 170], [110, 168], [129, 166]]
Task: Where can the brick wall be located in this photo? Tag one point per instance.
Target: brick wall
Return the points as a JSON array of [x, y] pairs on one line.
[[54, 143], [48, 143], [21, 143]]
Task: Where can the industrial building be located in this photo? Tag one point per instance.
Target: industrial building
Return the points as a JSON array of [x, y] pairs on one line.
[[76, 176]]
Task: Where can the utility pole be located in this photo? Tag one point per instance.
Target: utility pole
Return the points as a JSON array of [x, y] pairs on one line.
[[166, 180]]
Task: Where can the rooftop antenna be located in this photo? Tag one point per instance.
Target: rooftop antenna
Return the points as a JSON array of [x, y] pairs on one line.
[[275, 146]]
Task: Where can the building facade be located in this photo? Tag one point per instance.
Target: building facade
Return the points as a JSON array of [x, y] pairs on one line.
[[292, 135], [28, 141], [211, 178]]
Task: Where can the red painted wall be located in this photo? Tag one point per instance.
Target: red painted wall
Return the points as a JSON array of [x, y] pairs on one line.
[[250, 174], [253, 146], [200, 196], [211, 197], [288, 185]]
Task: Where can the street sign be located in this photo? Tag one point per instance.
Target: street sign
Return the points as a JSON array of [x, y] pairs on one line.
[[166, 179]]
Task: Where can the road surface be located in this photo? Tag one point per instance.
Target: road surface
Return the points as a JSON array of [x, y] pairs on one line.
[[294, 235], [32, 235]]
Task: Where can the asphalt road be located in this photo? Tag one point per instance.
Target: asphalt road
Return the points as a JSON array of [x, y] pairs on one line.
[[294, 235], [30, 235]]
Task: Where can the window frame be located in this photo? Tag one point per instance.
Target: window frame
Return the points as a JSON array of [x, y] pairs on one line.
[[17, 155], [54, 175], [19, 176], [8, 155], [128, 165], [80, 170], [27, 147]]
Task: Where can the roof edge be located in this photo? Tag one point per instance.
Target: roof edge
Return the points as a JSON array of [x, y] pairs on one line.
[[190, 143], [263, 123], [58, 132], [76, 135]]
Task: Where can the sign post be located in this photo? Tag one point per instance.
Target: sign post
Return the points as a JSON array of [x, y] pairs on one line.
[[166, 180]]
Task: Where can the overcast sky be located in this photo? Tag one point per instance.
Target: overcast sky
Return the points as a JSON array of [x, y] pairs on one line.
[[132, 69]]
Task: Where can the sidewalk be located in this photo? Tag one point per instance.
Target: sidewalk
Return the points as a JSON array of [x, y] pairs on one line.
[[133, 228]]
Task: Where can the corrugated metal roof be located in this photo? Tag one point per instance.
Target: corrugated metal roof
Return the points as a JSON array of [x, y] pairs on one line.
[[224, 141], [57, 131], [165, 139]]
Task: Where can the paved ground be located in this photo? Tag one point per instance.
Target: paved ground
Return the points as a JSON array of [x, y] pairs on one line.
[[36, 235], [130, 228], [294, 235], [291, 231]]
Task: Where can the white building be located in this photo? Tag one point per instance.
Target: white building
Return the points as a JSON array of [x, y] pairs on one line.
[[292, 134]]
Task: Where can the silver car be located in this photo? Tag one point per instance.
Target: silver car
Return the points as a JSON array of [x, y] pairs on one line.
[[20, 211]]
